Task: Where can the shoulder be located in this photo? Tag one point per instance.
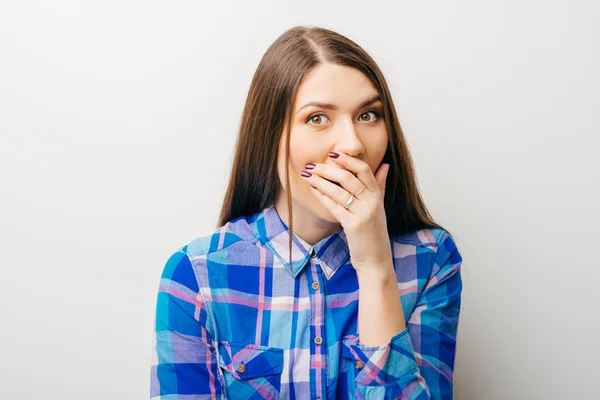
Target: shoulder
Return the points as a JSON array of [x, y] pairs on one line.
[[436, 241], [427, 238], [425, 251], [188, 260], [237, 231]]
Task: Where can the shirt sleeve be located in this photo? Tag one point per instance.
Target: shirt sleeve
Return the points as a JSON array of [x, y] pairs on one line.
[[183, 358], [418, 362]]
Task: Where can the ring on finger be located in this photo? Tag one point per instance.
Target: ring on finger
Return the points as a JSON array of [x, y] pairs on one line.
[[359, 192]]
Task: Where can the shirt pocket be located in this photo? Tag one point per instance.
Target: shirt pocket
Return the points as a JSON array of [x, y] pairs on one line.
[[251, 370], [352, 365]]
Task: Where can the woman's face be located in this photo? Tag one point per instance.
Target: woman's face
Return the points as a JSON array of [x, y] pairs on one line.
[[342, 122]]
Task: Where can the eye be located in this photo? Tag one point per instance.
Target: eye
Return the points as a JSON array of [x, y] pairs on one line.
[[316, 119], [371, 119]]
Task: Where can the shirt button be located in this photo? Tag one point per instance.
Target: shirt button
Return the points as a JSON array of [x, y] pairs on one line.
[[241, 368], [316, 285], [318, 340], [359, 365]]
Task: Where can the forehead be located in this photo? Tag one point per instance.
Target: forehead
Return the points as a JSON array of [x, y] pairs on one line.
[[343, 86]]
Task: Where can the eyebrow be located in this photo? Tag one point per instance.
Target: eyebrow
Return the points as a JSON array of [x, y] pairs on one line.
[[334, 107]]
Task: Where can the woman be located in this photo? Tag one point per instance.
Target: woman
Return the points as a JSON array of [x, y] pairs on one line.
[[324, 279]]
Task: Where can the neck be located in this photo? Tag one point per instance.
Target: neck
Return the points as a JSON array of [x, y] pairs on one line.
[[307, 225]]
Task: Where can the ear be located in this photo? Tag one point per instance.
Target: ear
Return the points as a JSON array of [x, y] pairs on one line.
[[381, 176]]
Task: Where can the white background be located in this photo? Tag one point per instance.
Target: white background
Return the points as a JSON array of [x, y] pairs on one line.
[[117, 126]]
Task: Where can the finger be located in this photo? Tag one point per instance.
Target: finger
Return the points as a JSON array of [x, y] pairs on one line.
[[360, 168], [381, 176], [339, 212], [334, 192], [338, 176]]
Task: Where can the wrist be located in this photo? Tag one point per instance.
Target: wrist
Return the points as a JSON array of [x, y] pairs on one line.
[[380, 276]]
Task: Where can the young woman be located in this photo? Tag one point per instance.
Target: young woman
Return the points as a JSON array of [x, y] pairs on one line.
[[326, 277]]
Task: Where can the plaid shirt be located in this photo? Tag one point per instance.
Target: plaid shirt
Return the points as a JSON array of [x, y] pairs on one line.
[[234, 320]]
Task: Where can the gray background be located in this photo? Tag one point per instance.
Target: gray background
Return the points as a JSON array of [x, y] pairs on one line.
[[117, 125]]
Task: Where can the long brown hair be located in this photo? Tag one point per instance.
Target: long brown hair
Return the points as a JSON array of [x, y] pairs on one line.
[[254, 182]]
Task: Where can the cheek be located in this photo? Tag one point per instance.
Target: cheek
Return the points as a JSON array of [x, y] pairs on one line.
[[378, 148], [301, 153]]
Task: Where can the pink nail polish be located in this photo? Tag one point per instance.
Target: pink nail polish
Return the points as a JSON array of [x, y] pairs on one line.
[[305, 174], [333, 155]]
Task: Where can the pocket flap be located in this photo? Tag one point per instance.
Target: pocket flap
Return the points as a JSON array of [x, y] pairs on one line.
[[245, 361], [349, 343]]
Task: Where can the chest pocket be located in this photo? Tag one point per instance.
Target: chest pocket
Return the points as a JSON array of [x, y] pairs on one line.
[[250, 370], [355, 371]]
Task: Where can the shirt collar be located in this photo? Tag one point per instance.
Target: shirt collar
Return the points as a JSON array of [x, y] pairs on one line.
[[331, 252]]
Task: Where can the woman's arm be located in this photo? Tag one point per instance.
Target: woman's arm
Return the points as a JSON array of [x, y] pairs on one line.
[[183, 359], [380, 314], [417, 360]]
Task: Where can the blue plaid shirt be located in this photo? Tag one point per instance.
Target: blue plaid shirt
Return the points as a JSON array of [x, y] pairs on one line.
[[234, 320]]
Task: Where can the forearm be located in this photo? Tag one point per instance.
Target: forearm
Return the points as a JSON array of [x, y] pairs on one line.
[[380, 314], [392, 367]]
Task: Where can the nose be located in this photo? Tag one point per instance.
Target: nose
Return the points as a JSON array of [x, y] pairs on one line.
[[348, 141]]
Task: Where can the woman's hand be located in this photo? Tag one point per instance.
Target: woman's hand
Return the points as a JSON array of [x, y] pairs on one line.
[[364, 220], [380, 314]]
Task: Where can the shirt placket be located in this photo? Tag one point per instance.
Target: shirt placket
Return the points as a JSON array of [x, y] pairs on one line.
[[318, 346]]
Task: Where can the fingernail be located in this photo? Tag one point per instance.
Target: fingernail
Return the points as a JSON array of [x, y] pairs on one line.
[[310, 166], [305, 174], [333, 155]]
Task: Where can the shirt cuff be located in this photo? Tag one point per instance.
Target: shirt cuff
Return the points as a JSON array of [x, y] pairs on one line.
[[380, 365]]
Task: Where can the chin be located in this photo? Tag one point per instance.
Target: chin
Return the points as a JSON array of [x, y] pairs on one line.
[[324, 213]]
